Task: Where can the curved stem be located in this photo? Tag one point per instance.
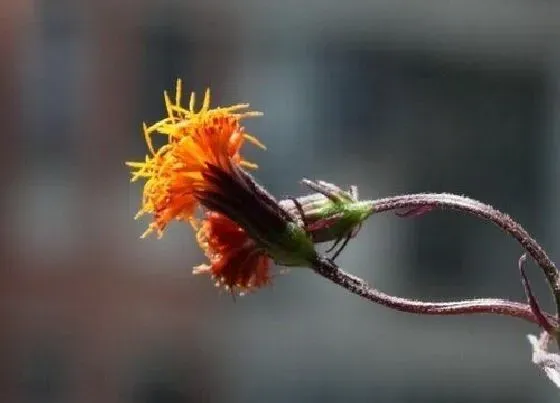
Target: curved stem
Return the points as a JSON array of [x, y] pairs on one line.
[[481, 210], [356, 285]]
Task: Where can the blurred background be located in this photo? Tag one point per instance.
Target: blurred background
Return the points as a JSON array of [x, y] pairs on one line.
[[393, 96]]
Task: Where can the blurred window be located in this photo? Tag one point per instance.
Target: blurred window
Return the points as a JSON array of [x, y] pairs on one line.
[[444, 112]]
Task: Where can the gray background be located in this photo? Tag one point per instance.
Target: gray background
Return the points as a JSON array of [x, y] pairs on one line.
[[393, 96]]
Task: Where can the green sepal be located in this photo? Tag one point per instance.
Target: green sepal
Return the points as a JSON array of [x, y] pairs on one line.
[[331, 214], [293, 247]]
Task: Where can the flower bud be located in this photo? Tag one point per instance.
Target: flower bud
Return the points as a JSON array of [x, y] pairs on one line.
[[331, 214]]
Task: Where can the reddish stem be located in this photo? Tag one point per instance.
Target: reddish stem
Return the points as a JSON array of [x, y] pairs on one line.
[[356, 285], [480, 210]]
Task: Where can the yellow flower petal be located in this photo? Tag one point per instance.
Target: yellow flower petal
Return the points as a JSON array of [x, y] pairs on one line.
[[194, 138]]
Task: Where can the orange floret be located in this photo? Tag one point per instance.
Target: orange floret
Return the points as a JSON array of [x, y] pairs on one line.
[[235, 261], [194, 139]]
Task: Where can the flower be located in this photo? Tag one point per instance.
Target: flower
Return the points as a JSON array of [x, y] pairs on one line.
[[200, 165], [330, 214], [194, 139], [235, 194], [245, 229], [236, 262]]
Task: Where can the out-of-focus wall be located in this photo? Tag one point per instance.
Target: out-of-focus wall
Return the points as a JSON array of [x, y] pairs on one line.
[[393, 96]]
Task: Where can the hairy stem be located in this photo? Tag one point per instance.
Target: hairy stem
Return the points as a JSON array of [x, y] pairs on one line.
[[481, 210], [356, 285]]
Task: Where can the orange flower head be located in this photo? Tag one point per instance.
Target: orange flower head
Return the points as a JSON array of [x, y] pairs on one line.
[[245, 228], [236, 261], [200, 164], [194, 140]]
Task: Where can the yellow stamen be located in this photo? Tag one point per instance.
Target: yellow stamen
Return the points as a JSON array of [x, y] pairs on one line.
[[206, 102], [191, 103], [178, 91], [253, 140], [195, 136], [168, 106], [148, 139], [249, 165]]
